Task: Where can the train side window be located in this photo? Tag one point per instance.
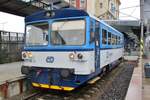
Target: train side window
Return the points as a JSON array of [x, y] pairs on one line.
[[109, 38], [121, 41], [112, 39], [92, 35], [116, 40], [104, 36]]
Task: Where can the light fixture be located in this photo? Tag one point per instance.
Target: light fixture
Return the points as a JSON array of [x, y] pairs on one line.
[[71, 56]]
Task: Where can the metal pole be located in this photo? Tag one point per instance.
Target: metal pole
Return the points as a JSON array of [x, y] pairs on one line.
[[142, 27]]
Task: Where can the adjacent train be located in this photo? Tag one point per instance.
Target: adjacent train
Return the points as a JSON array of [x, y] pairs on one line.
[[66, 48]]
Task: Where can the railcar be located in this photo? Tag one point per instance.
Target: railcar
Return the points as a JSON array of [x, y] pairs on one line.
[[66, 48]]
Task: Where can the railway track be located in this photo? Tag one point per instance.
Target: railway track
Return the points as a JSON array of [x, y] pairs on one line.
[[105, 88]]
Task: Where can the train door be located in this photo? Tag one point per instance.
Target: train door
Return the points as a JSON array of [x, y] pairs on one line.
[[95, 41], [97, 45]]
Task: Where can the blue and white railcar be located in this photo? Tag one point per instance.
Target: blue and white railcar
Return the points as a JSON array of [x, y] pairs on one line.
[[66, 48]]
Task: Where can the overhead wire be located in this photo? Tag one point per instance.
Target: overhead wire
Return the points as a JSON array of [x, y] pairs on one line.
[[130, 7], [119, 12]]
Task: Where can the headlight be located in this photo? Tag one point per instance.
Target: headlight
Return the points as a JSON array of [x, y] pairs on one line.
[[29, 54], [71, 56], [24, 55], [80, 56]]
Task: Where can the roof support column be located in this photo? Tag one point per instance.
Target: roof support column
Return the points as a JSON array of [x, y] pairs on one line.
[[142, 27]]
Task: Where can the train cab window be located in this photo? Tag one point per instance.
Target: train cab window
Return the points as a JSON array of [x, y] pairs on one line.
[[104, 36], [109, 38], [68, 33], [37, 34]]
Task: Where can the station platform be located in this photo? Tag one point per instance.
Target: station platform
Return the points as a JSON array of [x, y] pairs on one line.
[[139, 87], [10, 71], [146, 84], [12, 82]]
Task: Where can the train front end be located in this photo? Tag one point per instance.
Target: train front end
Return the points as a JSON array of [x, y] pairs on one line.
[[57, 53]]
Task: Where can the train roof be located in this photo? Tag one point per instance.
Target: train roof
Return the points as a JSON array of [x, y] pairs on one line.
[[104, 23], [61, 13]]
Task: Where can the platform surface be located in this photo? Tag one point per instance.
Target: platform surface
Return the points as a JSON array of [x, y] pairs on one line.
[[139, 88], [135, 87], [146, 83], [10, 71]]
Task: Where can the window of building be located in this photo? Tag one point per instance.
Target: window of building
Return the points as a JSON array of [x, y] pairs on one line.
[[104, 36], [101, 5], [113, 8], [109, 38]]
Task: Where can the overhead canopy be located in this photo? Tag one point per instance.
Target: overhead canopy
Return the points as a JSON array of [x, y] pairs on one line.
[[27, 7], [130, 28]]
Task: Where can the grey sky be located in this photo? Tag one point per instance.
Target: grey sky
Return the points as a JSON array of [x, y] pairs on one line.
[[11, 22], [16, 24], [130, 10]]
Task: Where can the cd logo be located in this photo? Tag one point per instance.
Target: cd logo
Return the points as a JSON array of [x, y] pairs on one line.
[[50, 59]]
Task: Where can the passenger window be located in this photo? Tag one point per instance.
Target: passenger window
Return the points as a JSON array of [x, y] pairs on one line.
[[109, 38], [97, 28], [113, 39], [91, 32], [116, 40], [104, 36]]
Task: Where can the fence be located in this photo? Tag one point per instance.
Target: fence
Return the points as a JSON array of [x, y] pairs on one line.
[[11, 45]]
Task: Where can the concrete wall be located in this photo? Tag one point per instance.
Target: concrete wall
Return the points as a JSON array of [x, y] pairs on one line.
[[91, 6], [103, 12], [14, 87]]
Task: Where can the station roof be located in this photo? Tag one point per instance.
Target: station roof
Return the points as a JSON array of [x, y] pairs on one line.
[[27, 7], [131, 28]]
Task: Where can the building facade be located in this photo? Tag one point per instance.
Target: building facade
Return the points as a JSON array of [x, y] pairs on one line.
[[103, 9]]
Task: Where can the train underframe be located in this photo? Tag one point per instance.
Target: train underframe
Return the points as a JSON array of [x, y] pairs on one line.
[[62, 79]]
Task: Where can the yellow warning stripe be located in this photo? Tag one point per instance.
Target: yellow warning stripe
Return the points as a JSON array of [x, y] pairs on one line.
[[53, 87], [141, 47]]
